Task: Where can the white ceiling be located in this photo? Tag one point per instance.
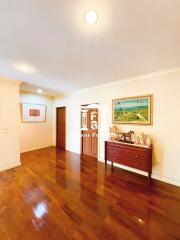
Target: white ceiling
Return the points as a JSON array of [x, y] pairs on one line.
[[132, 37]]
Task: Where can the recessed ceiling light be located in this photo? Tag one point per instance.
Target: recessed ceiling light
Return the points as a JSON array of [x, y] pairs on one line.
[[24, 68], [91, 17], [40, 91]]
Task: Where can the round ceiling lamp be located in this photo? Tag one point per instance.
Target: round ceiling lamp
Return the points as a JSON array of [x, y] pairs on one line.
[[91, 17], [24, 68], [40, 91]]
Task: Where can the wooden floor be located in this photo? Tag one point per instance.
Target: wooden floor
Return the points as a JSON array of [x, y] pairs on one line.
[[58, 195]]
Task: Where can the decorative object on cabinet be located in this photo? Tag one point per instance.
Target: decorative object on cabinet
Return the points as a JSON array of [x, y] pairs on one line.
[[134, 138], [114, 132], [33, 113], [134, 110], [137, 157], [141, 139], [126, 137]]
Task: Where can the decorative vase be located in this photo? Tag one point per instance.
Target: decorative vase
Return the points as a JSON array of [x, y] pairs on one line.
[[148, 141]]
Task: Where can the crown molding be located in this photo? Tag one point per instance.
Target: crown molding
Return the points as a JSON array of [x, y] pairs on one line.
[[124, 80]]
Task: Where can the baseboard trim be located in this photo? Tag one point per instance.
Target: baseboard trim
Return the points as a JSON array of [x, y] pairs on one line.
[[10, 166], [36, 148], [167, 180], [154, 176]]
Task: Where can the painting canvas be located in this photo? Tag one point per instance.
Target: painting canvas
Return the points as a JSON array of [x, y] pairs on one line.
[[33, 112], [135, 110]]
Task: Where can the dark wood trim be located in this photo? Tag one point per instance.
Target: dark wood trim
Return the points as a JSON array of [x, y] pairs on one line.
[[81, 132], [57, 125]]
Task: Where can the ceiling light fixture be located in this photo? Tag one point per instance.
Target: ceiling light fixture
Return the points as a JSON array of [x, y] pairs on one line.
[[91, 17], [40, 91], [24, 68]]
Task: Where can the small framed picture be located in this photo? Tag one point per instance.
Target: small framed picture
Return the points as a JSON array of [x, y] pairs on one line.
[[33, 113], [133, 110]]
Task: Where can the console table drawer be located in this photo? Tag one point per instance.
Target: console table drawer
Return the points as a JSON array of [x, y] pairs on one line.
[[136, 159], [138, 162], [112, 152]]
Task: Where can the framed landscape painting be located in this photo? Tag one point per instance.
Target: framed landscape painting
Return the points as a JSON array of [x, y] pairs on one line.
[[33, 113], [134, 110]]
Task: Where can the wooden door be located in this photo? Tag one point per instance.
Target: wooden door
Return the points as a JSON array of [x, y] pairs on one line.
[[61, 128], [90, 135]]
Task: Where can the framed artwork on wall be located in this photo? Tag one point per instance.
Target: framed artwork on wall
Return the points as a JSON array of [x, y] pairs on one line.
[[133, 110], [33, 113]]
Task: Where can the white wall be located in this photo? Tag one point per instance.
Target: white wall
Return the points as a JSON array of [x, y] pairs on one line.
[[166, 127], [37, 135], [9, 124]]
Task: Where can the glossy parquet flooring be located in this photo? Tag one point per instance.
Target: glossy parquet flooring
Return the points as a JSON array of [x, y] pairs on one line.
[[58, 195]]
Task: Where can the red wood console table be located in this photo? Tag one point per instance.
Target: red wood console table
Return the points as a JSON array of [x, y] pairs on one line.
[[129, 155]]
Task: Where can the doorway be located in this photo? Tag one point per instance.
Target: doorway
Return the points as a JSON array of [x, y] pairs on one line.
[[61, 127], [89, 130]]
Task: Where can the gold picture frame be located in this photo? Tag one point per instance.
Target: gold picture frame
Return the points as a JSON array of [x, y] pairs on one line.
[[133, 110]]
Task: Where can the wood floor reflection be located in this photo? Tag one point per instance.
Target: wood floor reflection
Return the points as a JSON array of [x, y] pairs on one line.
[[59, 195]]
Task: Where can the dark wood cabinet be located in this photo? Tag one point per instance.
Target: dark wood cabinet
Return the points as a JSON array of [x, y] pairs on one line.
[[129, 155]]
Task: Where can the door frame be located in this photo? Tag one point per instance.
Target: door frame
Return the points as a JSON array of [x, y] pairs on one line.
[[57, 124], [81, 138]]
